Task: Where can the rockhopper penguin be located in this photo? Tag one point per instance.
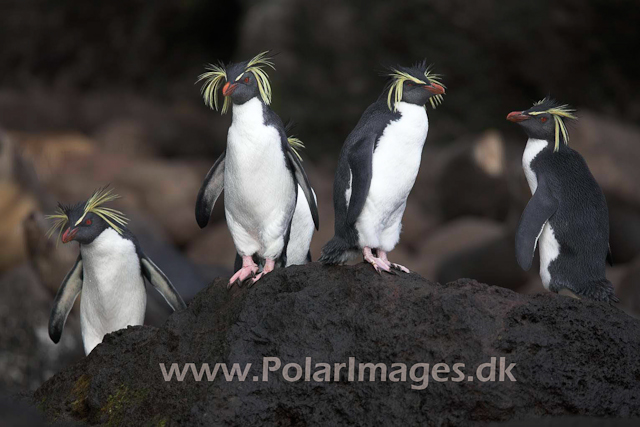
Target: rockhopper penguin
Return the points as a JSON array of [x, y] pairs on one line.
[[378, 166], [260, 172], [110, 272], [567, 214]]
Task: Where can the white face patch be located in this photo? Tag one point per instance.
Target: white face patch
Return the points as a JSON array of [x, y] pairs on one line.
[[533, 148]]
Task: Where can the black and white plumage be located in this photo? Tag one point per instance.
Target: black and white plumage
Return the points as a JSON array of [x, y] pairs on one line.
[[567, 216], [260, 172], [110, 272], [378, 166]]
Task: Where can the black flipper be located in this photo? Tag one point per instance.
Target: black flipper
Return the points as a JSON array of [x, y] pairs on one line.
[[303, 181], [610, 257], [539, 209], [158, 280], [210, 191], [361, 166], [66, 296]]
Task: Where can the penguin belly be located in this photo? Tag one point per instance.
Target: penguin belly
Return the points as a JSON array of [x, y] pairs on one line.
[[259, 188], [113, 291], [549, 248], [302, 227], [395, 165]]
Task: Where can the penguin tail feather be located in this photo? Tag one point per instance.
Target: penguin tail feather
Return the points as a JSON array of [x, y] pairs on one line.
[[600, 291], [337, 251]]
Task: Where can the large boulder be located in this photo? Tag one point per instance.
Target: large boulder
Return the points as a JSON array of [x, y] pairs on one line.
[[27, 355], [571, 357]]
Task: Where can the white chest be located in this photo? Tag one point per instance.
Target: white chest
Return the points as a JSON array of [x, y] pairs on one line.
[[258, 185], [396, 160], [251, 145], [113, 289], [533, 148]]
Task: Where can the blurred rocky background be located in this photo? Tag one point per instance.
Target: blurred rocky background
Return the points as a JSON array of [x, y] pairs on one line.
[[103, 92]]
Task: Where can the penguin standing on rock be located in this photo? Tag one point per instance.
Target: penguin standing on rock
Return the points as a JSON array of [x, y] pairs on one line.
[[110, 272], [378, 166], [567, 214], [269, 203]]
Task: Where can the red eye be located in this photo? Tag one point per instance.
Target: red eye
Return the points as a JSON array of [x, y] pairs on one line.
[[88, 222], [543, 119], [246, 79]]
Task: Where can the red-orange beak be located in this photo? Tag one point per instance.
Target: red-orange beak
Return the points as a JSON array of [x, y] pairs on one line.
[[435, 89], [517, 116], [69, 235], [228, 88]]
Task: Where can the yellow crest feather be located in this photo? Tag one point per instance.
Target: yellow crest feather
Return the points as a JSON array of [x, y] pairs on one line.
[[296, 144], [114, 218], [60, 220], [394, 96], [214, 78], [558, 113], [255, 66], [111, 216], [216, 75]]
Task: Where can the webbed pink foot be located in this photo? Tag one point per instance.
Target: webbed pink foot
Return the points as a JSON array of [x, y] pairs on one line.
[[269, 265], [383, 257], [248, 270]]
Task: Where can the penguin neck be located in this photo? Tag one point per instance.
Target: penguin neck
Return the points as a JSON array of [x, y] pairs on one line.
[[533, 149], [108, 242], [248, 114], [413, 119], [404, 106]]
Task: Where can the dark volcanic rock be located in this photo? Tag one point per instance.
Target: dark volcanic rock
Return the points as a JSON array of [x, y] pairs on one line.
[[572, 357]]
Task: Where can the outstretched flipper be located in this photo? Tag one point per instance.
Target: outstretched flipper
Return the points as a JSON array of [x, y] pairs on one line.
[[66, 296], [538, 211], [210, 191], [157, 278], [303, 181]]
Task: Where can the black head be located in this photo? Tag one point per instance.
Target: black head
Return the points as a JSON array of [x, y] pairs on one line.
[[85, 221], [85, 231], [414, 85], [239, 81], [545, 120]]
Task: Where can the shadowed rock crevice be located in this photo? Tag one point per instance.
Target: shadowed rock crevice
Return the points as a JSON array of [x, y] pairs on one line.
[[572, 357]]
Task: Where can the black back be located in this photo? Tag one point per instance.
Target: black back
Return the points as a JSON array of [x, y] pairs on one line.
[[358, 150], [581, 222]]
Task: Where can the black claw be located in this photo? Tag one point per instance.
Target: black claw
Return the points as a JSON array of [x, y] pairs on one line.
[[252, 282], [397, 267], [248, 279], [392, 272]]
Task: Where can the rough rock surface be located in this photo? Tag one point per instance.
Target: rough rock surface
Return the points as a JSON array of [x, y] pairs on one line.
[[576, 358]]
